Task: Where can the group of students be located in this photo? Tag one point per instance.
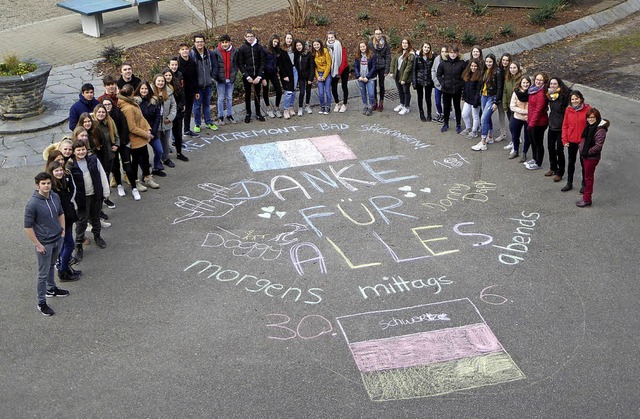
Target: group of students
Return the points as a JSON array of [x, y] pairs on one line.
[[112, 133]]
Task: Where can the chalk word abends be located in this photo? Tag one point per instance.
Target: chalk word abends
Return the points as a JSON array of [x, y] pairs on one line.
[[426, 358], [514, 252]]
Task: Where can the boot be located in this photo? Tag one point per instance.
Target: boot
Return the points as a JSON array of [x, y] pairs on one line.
[[567, 187], [422, 117], [99, 241], [79, 252], [375, 106], [381, 105]]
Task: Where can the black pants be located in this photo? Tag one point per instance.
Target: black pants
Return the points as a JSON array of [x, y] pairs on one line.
[[115, 168], [125, 153], [273, 79], [305, 91], [90, 213], [176, 130], [516, 125], [424, 91], [404, 91], [188, 109], [536, 136], [556, 152], [344, 80], [572, 154], [248, 87], [380, 74], [447, 99], [139, 160]]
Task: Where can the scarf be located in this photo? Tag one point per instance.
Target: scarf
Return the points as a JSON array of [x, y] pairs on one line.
[[226, 60], [554, 94], [335, 48], [578, 108], [534, 89], [589, 135], [522, 96]]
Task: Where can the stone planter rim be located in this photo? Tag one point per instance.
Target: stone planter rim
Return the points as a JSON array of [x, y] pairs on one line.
[[43, 67]]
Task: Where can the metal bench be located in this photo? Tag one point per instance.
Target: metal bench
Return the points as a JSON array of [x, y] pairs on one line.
[[91, 12]]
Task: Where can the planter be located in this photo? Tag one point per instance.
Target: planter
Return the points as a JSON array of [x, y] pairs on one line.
[[21, 96]]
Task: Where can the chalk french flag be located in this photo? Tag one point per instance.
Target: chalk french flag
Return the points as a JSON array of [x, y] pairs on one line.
[[295, 153], [426, 350]]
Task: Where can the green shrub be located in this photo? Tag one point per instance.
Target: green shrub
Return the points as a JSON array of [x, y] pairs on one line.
[[367, 32], [469, 38], [433, 11], [394, 38], [421, 26], [12, 66], [547, 12], [113, 54], [450, 33], [156, 69], [487, 36], [507, 30], [363, 15], [478, 10], [321, 20]]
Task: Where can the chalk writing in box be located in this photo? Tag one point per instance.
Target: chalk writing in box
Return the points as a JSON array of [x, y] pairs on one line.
[[454, 160], [460, 192]]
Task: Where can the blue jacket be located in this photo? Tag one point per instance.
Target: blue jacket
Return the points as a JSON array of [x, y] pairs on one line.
[[78, 108], [372, 64]]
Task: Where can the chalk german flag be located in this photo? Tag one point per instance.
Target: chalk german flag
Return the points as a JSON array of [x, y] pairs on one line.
[[426, 350]]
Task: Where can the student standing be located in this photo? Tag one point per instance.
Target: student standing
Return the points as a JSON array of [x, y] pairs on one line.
[[490, 100], [339, 71], [511, 80], [450, 78], [110, 89], [85, 104], [538, 119], [437, 94], [44, 225], [471, 93], [251, 61], [127, 77], [573, 125], [422, 81], [365, 70], [288, 75], [379, 43], [519, 106], [272, 53], [591, 144], [322, 64], [187, 66], [168, 113], [305, 64], [402, 72], [225, 55], [558, 95], [173, 77], [207, 70]]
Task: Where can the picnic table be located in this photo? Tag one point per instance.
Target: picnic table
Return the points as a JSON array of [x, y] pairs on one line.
[[91, 12]]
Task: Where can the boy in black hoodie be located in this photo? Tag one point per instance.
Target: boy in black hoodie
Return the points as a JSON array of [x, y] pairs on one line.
[[251, 60], [44, 225]]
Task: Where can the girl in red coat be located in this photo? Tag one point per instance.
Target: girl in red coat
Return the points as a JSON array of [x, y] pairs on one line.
[[538, 119], [574, 123]]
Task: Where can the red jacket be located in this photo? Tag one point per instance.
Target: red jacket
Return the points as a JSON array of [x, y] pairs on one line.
[[573, 124], [538, 116]]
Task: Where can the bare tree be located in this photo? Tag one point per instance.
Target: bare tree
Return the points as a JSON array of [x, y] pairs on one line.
[[298, 13]]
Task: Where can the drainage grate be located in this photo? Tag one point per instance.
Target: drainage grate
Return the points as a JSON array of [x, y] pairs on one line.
[[392, 95]]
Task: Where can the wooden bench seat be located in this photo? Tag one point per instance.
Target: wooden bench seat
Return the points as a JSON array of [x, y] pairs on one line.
[[91, 12]]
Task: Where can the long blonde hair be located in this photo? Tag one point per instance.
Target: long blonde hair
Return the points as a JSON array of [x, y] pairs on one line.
[[108, 120]]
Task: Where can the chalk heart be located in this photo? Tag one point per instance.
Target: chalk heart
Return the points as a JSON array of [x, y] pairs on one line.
[[268, 209], [280, 214], [425, 190], [405, 188], [264, 215], [410, 195]]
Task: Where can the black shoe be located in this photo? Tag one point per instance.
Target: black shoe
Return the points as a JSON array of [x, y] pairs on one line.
[[191, 134], [230, 120], [567, 187], [103, 215], [75, 271], [247, 118], [169, 162], [45, 309], [260, 118], [57, 292], [99, 241], [73, 261], [67, 276], [109, 203], [423, 118], [182, 157], [159, 173], [79, 253], [429, 119]]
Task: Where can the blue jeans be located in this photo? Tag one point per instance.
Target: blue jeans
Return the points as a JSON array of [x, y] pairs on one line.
[[225, 96], [487, 112], [438, 98], [290, 96], [46, 269], [203, 105], [366, 92], [324, 91], [156, 144], [67, 248]]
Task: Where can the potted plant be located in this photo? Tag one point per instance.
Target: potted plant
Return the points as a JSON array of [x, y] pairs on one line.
[[22, 85]]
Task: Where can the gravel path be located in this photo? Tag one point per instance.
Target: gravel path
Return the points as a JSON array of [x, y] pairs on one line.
[[28, 11]]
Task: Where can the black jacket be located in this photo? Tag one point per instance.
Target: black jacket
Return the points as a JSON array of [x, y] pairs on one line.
[[383, 54], [189, 75], [285, 69], [495, 86], [151, 111], [305, 65], [556, 111], [66, 200], [471, 92], [251, 60], [450, 75], [422, 72], [78, 178]]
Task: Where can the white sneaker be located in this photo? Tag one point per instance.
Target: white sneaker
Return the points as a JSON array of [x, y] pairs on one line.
[[150, 182], [465, 131], [337, 107], [121, 191], [308, 109], [403, 111], [398, 108], [530, 162], [473, 134], [532, 166], [136, 194], [270, 113], [300, 112], [278, 114], [490, 140], [508, 146], [140, 186], [479, 147], [104, 224], [286, 114], [343, 108]]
